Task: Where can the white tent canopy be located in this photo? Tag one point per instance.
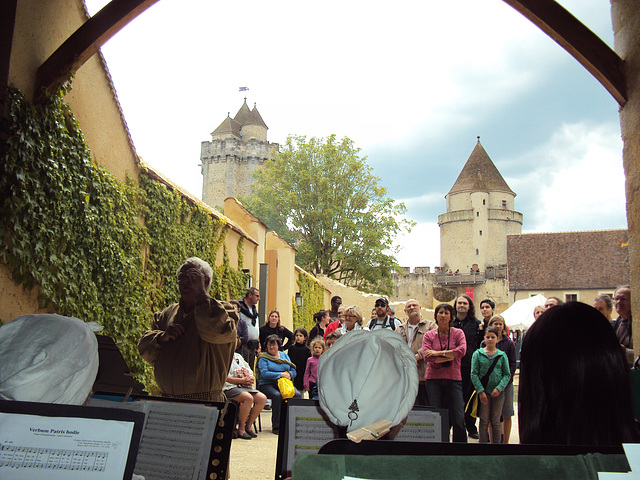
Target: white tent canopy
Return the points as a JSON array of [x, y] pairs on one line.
[[520, 314]]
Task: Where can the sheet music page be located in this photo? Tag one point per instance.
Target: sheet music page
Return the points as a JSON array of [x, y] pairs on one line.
[[422, 426], [176, 438], [62, 448], [176, 441], [307, 431]]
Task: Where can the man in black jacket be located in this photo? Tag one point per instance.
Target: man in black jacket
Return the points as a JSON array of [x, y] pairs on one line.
[[466, 321], [249, 313]]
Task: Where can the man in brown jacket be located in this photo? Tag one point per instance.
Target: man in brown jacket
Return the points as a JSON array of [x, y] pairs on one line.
[[412, 330], [191, 343]]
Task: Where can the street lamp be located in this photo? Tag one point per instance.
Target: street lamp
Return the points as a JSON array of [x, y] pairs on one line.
[[299, 301]]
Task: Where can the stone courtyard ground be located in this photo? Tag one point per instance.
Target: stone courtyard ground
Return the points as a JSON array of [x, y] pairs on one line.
[[256, 459]]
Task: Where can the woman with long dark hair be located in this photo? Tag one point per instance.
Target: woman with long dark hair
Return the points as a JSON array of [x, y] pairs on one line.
[[574, 381], [321, 319], [273, 327]]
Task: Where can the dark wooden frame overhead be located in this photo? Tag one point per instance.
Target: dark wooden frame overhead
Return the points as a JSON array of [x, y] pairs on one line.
[[584, 45], [7, 24], [553, 19], [85, 42]]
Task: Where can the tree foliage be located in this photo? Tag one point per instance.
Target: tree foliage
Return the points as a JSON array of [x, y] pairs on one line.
[[321, 196]]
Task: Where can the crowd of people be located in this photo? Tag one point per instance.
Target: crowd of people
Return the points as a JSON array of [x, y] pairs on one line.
[[574, 366], [457, 356]]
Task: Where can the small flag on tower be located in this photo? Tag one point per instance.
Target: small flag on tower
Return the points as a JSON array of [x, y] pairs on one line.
[[244, 89]]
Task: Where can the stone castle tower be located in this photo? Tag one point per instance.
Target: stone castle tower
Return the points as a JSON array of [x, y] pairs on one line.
[[238, 146], [480, 214]]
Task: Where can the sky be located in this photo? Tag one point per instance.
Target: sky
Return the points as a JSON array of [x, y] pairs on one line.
[[411, 83]]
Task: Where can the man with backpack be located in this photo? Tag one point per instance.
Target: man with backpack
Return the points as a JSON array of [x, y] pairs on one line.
[[382, 318]]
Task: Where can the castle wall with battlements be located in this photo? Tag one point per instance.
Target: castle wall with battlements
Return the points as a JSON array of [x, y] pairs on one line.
[[227, 164]]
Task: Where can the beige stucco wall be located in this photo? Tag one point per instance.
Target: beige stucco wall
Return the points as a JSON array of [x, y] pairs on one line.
[[40, 30], [625, 16], [282, 281], [15, 300], [231, 242], [254, 254]]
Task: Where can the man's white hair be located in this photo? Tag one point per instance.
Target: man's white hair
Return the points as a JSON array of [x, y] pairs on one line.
[[203, 266]]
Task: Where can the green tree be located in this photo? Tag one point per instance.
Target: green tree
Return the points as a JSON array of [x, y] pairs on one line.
[[322, 197]]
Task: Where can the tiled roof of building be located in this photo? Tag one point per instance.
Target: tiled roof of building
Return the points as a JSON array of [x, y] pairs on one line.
[[228, 125], [568, 260], [480, 174]]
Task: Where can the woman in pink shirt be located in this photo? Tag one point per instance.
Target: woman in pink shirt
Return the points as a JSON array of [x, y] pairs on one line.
[[442, 350]]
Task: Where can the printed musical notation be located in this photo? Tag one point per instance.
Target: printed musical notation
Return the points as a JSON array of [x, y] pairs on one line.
[[62, 447], [14, 456], [176, 440], [313, 427]]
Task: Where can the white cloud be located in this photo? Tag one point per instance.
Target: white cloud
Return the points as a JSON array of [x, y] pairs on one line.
[[578, 183], [421, 247]]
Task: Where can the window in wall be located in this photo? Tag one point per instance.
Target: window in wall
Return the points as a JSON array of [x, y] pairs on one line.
[[477, 214], [484, 202], [571, 297], [480, 232], [504, 204], [477, 252]]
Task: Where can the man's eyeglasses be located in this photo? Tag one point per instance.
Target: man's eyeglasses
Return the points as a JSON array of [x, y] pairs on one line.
[[379, 305]]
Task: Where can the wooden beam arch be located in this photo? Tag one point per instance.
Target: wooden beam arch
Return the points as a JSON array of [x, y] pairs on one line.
[[84, 43], [553, 19], [584, 45]]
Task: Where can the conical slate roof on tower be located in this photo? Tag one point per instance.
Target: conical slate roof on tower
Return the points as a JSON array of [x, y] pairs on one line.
[[243, 117], [480, 174], [228, 125], [256, 118]]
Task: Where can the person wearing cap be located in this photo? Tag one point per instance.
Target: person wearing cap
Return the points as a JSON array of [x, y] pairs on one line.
[[413, 331], [191, 343], [379, 397], [47, 358], [382, 318]]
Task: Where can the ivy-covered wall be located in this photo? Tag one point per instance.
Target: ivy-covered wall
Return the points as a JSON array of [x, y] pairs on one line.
[[96, 248], [312, 293]]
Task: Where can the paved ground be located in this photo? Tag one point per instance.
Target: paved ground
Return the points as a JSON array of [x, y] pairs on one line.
[[255, 459]]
